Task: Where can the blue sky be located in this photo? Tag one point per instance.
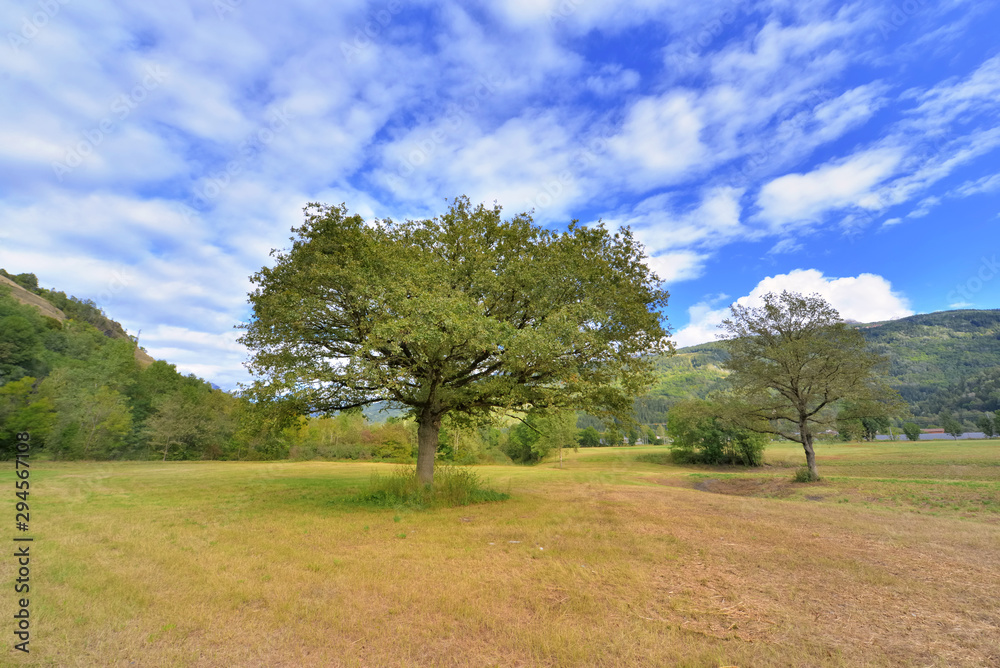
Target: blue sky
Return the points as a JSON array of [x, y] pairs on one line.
[[151, 155]]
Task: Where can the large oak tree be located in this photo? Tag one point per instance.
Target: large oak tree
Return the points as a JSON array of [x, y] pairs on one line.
[[792, 361], [464, 314]]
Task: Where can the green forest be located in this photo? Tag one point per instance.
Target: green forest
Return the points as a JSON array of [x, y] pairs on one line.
[[86, 390]]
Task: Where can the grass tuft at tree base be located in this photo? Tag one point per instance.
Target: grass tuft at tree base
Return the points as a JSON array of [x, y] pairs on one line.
[[803, 474], [453, 486]]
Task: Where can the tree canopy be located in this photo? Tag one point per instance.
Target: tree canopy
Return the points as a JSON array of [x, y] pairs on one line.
[[464, 314], [793, 360]]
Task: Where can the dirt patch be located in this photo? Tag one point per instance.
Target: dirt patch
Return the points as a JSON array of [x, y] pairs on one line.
[[759, 487], [706, 485]]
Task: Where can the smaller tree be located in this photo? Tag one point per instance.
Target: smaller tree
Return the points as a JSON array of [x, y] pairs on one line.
[[792, 361], [873, 425], [988, 425], [863, 420], [951, 425], [912, 431], [191, 425], [522, 444], [558, 431]]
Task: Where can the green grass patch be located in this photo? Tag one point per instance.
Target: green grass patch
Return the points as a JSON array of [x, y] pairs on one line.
[[453, 486]]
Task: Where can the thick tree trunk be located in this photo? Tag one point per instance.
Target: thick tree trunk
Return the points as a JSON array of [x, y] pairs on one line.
[[807, 445], [428, 428]]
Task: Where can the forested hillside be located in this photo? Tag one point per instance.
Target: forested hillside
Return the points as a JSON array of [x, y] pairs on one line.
[[72, 377], [935, 351]]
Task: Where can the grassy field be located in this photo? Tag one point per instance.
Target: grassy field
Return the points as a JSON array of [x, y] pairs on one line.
[[891, 560]]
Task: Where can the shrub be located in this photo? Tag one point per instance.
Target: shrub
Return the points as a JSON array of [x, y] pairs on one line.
[[589, 438], [453, 486], [912, 431], [803, 474], [393, 449], [699, 436]]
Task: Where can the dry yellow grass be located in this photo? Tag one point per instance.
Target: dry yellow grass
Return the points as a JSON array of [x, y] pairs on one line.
[[604, 563]]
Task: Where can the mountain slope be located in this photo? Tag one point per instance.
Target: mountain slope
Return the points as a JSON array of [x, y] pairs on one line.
[[930, 352], [48, 303], [31, 299]]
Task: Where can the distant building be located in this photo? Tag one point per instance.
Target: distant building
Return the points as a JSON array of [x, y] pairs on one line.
[[932, 431]]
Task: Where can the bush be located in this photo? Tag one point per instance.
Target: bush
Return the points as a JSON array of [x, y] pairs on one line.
[[589, 438], [803, 474], [700, 437], [912, 431], [453, 486]]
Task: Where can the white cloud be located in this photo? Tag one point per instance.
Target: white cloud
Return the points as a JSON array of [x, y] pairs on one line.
[[612, 80], [796, 199], [713, 222], [703, 325], [836, 116], [864, 298], [776, 46], [949, 101], [660, 141], [936, 163], [924, 207], [786, 245], [190, 349], [580, 17], [523, 164], [986, 184], [677, 266]]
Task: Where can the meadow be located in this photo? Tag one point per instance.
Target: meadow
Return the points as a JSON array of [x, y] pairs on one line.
[[617, 558]]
